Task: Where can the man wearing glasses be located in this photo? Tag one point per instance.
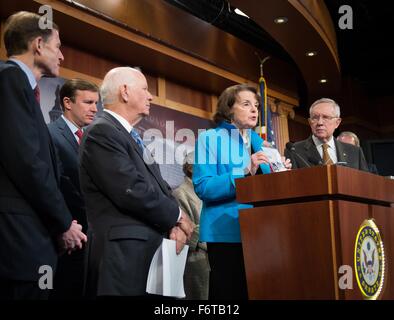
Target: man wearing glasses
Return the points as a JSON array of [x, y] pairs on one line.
[[321, 148]]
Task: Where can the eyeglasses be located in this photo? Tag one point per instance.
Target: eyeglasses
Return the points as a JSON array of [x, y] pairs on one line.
[[325, 118]]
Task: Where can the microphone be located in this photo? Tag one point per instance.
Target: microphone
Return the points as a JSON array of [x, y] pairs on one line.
[[290, 146], [315, 162], [342, 163]]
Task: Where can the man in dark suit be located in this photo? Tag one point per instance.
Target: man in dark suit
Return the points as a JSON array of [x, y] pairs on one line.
[[351, 138], [35, 222], [129, 206], [321, 148], [78, 99]]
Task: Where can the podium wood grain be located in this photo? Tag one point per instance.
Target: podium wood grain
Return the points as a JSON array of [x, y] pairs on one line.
[[303, 228]]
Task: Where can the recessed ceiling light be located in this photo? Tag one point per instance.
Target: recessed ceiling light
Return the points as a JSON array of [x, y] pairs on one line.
[[280, 20], [311, 53], [239, 12], [323, 80]]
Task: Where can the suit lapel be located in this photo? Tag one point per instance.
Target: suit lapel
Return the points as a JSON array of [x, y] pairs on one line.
[[153, 167], [41, 124], [341, 154], [119, 126], [67, 134], [311, 151]]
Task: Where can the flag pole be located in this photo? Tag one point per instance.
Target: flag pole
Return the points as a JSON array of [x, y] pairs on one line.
[[263, 93]]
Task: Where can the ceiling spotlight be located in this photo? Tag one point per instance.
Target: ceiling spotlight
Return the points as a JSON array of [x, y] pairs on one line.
[[323, 80], [311, 53], [239, 12], [280, 20]]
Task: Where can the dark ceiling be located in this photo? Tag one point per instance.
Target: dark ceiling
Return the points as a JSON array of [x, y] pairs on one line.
[[221, 14], [366, 53]]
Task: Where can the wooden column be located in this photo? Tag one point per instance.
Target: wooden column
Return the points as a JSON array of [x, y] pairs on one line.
[[280, 113]]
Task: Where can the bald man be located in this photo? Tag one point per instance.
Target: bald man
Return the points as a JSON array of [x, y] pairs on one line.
[[130, 208]]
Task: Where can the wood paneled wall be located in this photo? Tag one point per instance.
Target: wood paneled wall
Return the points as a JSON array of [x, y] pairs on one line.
[[188, 96], [298, 129], [92, 62]]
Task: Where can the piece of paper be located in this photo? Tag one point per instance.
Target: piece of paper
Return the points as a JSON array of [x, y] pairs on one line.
[[166, 270], [274, 158], [154, 284]]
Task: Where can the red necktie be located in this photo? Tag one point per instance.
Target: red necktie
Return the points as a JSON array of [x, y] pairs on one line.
[[37, 93], [79, 134]]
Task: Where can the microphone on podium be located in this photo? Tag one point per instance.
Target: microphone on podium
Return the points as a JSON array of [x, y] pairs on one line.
[[290, 146]]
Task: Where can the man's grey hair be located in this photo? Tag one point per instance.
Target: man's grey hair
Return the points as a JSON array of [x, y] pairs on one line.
[[114, 79], [350, 134], [337, 110]]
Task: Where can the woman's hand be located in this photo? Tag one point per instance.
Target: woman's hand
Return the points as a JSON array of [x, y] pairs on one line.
[[255, 160]]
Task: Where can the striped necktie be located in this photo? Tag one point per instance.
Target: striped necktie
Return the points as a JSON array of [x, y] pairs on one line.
[[326, 156], [137, 139]]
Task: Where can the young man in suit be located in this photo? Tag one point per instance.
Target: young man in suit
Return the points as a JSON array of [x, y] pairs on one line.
[[78, 99], [321, 148], [129, 206], [35, 223]]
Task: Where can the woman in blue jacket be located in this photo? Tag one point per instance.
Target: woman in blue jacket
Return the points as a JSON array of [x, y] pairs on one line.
[[232, 150]]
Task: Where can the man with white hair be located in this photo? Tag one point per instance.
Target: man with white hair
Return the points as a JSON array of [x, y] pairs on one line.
[[321, 148], [129, 206]]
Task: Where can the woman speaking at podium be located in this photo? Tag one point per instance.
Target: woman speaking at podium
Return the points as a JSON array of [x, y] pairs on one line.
[[231, 150]]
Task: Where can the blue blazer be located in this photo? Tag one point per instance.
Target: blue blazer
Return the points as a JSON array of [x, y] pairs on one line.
[[221, 157]]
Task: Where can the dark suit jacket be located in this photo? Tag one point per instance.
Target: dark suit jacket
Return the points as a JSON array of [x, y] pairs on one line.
[[67, 148], [32, 208], [307, 155], [129, 206]]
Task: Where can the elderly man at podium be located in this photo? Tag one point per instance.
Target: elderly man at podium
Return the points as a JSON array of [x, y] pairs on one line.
[[321, 148]]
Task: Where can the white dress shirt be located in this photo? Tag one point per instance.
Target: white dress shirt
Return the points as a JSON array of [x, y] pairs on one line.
[[332, 152], [71, 126]]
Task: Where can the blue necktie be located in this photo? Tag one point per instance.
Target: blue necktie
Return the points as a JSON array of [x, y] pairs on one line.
[[137, 139]]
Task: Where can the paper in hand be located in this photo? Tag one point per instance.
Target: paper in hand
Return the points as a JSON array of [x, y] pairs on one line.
[[166, 271], [274, 158]]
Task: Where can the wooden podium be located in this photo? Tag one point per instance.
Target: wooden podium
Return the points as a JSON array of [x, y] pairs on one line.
[[303, 228]]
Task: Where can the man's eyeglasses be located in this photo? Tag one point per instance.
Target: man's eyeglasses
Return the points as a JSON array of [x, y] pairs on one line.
[[325, 118]]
